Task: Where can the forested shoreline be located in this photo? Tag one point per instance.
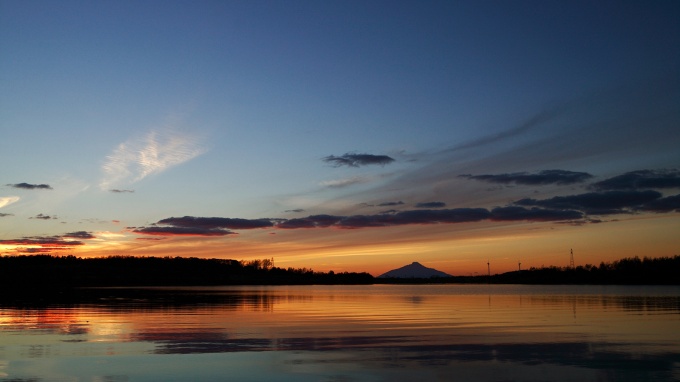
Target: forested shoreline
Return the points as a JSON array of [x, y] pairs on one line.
[[70, 271], [42, 272]]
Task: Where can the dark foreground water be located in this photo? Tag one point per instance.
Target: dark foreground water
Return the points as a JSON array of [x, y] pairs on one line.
[[348, 333]]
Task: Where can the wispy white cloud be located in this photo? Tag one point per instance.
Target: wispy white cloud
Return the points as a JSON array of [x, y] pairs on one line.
[[358, 179], [345, 182], [109, 234], [7, 200], [156, 152]]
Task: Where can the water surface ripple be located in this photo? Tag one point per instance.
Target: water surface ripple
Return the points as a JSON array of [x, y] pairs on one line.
[[347, 333]]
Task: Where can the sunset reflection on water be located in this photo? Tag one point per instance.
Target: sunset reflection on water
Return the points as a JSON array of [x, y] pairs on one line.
[[353, 332]]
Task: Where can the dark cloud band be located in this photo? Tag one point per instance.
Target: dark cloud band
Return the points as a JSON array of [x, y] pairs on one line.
[[182, 231], [642, 179], [43, 217], [560, 177], [79, 235], [41, 244], [216, 222], [667, 204], [201, 226], [571, 209], [28, 186], [513, 213], [390, 204], [431, 205], [597, 203], [357, 160]]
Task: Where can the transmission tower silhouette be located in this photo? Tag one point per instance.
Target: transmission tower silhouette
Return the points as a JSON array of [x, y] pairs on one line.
[[571, 259], [488, 270]]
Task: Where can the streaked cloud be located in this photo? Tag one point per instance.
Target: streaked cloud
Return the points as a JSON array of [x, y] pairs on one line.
[[214, 226], [41, 244], [382, 204], [108, 234], [429, 217], [214, 222], [431, 205], [358, 160], [641, 179], [117, 191], [597, 203], [181, 231], [28, 186], [312, 221], [578, 209], [7, 200], [345, 182], [415, 217], [201, 226], [79, 235], [2, 215], [561, 177], [580, 222], [584, 132], [390, 204], [136, 159], [667, 204], [514, 213], [43, 217], [533, 123]]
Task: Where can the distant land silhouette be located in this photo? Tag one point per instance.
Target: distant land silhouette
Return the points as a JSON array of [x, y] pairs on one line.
[[414, 270], [627, 271], [28, 277]]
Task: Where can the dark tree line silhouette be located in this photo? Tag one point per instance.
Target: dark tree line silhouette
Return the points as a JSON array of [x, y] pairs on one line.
[[44, 272], [40, 271], [627, 271]]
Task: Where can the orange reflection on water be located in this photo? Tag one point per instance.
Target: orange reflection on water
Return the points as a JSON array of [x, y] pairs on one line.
[[364, 332], [431, 314], [59, 321], [273, 318]]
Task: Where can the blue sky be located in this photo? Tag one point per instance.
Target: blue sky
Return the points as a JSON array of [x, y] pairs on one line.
[[135, 112]]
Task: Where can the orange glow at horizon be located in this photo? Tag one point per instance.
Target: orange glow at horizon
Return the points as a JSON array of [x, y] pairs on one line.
[[454, 249]]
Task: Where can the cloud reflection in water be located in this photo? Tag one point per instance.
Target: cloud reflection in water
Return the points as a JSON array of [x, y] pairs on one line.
[[394, 333]]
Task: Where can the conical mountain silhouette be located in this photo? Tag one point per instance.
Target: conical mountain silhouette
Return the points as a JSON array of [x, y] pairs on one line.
[[414, 270]]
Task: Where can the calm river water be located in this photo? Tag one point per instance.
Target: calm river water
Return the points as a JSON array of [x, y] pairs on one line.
[[349, 333]]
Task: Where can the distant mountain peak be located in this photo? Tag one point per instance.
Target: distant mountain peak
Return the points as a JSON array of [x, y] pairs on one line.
[[414, 270]]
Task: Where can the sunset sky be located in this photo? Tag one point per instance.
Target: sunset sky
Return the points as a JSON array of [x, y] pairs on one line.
[[342, 135]]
